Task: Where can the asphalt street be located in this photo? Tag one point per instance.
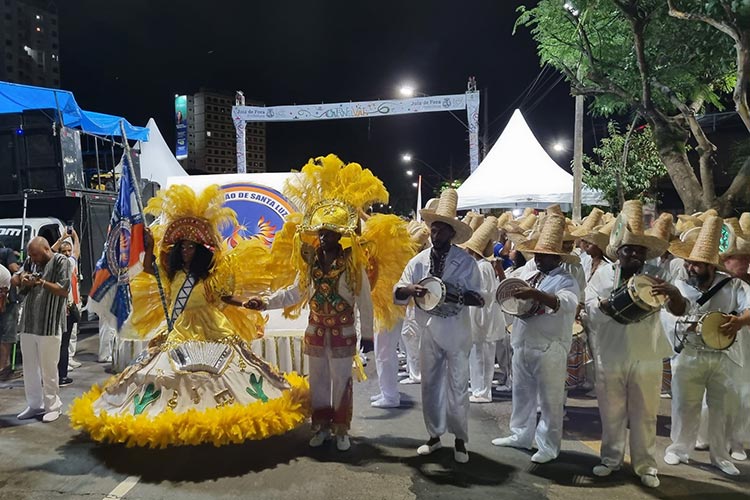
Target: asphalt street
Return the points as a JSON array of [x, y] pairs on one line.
[[48, 461]]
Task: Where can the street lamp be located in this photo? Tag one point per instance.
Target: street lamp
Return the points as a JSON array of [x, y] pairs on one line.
[[408, 158], [410, 172], [558, 147], [415, 184], [407, 90]]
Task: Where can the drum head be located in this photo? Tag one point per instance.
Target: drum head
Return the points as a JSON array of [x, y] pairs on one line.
[[641, 286], [434, 296], [577, 328], [508, 303], [710, 334]]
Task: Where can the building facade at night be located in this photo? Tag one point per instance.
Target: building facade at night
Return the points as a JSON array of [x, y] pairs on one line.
[[29, 43], [212, 145]]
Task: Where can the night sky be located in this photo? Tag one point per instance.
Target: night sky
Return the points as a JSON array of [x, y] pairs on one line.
[[131, 58]]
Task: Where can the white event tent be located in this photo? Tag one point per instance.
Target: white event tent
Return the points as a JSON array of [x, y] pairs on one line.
[[157, 160], [518, 173]]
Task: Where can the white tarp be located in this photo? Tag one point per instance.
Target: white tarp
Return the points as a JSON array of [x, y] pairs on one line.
[[157, 160], [518, 172]]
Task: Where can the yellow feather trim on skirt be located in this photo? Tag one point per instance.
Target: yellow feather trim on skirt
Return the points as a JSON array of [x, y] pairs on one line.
[[232, 424]]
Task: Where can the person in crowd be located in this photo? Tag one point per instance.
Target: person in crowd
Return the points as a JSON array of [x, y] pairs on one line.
[[45, 280], [698, 368], [629, 356], [9, 318], [446, 341], [70, 246], [541, 343]]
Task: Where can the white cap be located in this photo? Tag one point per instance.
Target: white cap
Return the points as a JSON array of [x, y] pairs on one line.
[[4, 277]]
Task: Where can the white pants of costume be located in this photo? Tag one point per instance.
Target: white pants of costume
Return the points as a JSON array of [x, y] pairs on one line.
[[73, 341], [482, 369], [504, 357], [410, 342], [445, 390], [694, 373], [539, 378], [628, 394], [330, 392], [107, 332], [386, 362], [40, 379]]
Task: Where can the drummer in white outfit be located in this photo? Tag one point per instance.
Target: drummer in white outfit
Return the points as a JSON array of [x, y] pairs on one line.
[[628, 357], [488, 322], [540, 346], [446, 341]]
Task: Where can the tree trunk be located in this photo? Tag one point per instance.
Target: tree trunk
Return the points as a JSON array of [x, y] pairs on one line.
[[671, 143], [743, 78]]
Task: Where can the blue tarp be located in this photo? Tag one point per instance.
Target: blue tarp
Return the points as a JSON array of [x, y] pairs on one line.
[[15, 98]]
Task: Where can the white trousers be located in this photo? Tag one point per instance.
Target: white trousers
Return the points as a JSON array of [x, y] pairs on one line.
[[445, 390], [504, 357], [628, 394], [73, 341], [482, 369], [410, 336], [107, 332], [331, 392], [40, 382], [539, 377], [693, 373], [386, 362]]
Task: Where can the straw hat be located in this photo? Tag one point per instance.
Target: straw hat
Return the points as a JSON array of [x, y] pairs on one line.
[[506, 217], [484, 235], [628, 230], [705, 248], [475, 221], [432, 204], [663, 227], [550, 239], [600, 235], [592, 220], [745, 222], [739, 243], [419, 233], [446, 213]]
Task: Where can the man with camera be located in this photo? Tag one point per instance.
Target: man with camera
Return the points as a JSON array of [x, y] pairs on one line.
[[45, 280]]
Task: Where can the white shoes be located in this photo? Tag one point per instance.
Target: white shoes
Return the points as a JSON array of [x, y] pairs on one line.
[[701, 446], [427, 448], [30, 413], [509, 441], [376, 396], [475, 399], [727, 468], [51, 416], [72, 363], [384, 403], [319, 438], [342, 443], [674, 459], [542, 457], [602, 470], [739, 455], [650, 480], [409, 381], [461, 457]]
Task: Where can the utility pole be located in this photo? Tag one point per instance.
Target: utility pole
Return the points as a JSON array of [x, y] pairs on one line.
[[485, 122], [578, 157]]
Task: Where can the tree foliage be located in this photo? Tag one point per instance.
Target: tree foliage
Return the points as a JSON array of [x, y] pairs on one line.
[[636, 178]]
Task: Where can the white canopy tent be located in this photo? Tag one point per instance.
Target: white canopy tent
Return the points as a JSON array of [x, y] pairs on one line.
[[518, 173], [157, 160]]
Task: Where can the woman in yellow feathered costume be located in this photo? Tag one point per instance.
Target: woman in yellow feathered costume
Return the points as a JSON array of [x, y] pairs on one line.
[[198, 382], [345, 274]]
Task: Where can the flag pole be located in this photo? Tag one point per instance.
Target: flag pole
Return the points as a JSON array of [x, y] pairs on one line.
[[139, 202], [419, 198]]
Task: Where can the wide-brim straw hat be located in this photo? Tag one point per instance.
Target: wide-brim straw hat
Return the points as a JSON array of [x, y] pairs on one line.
[[745, 222], [475, 221], [738, 243], [600, 235], [431, 204], [482, 237], [705, 248], [419, 233], [628, 230], [550, 238], [592, 221], [446, 213], [663, 227], [506, 217]]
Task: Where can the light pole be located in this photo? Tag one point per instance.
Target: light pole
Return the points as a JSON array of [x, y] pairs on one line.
[[408, 158]]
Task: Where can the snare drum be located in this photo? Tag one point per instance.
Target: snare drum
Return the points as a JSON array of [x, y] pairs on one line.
[[442, 299], [708, 330], [633, 301], [521, 308]]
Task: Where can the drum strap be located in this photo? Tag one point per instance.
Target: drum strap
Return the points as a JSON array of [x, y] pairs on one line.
[[710, 293]]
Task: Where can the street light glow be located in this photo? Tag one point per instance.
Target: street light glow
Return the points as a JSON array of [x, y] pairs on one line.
[[414, 184], [558, 146], [406, 157], [407, 90], [410, 172]]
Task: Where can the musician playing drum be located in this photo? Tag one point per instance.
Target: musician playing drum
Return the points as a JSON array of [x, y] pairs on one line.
[[629, 356], [540, 345], [701, 364], [446, 341]]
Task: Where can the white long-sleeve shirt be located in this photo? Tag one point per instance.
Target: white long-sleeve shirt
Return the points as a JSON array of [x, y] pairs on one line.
[[615, 342], [488, 322], [454, 332], [550, 326], [732, 297]]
